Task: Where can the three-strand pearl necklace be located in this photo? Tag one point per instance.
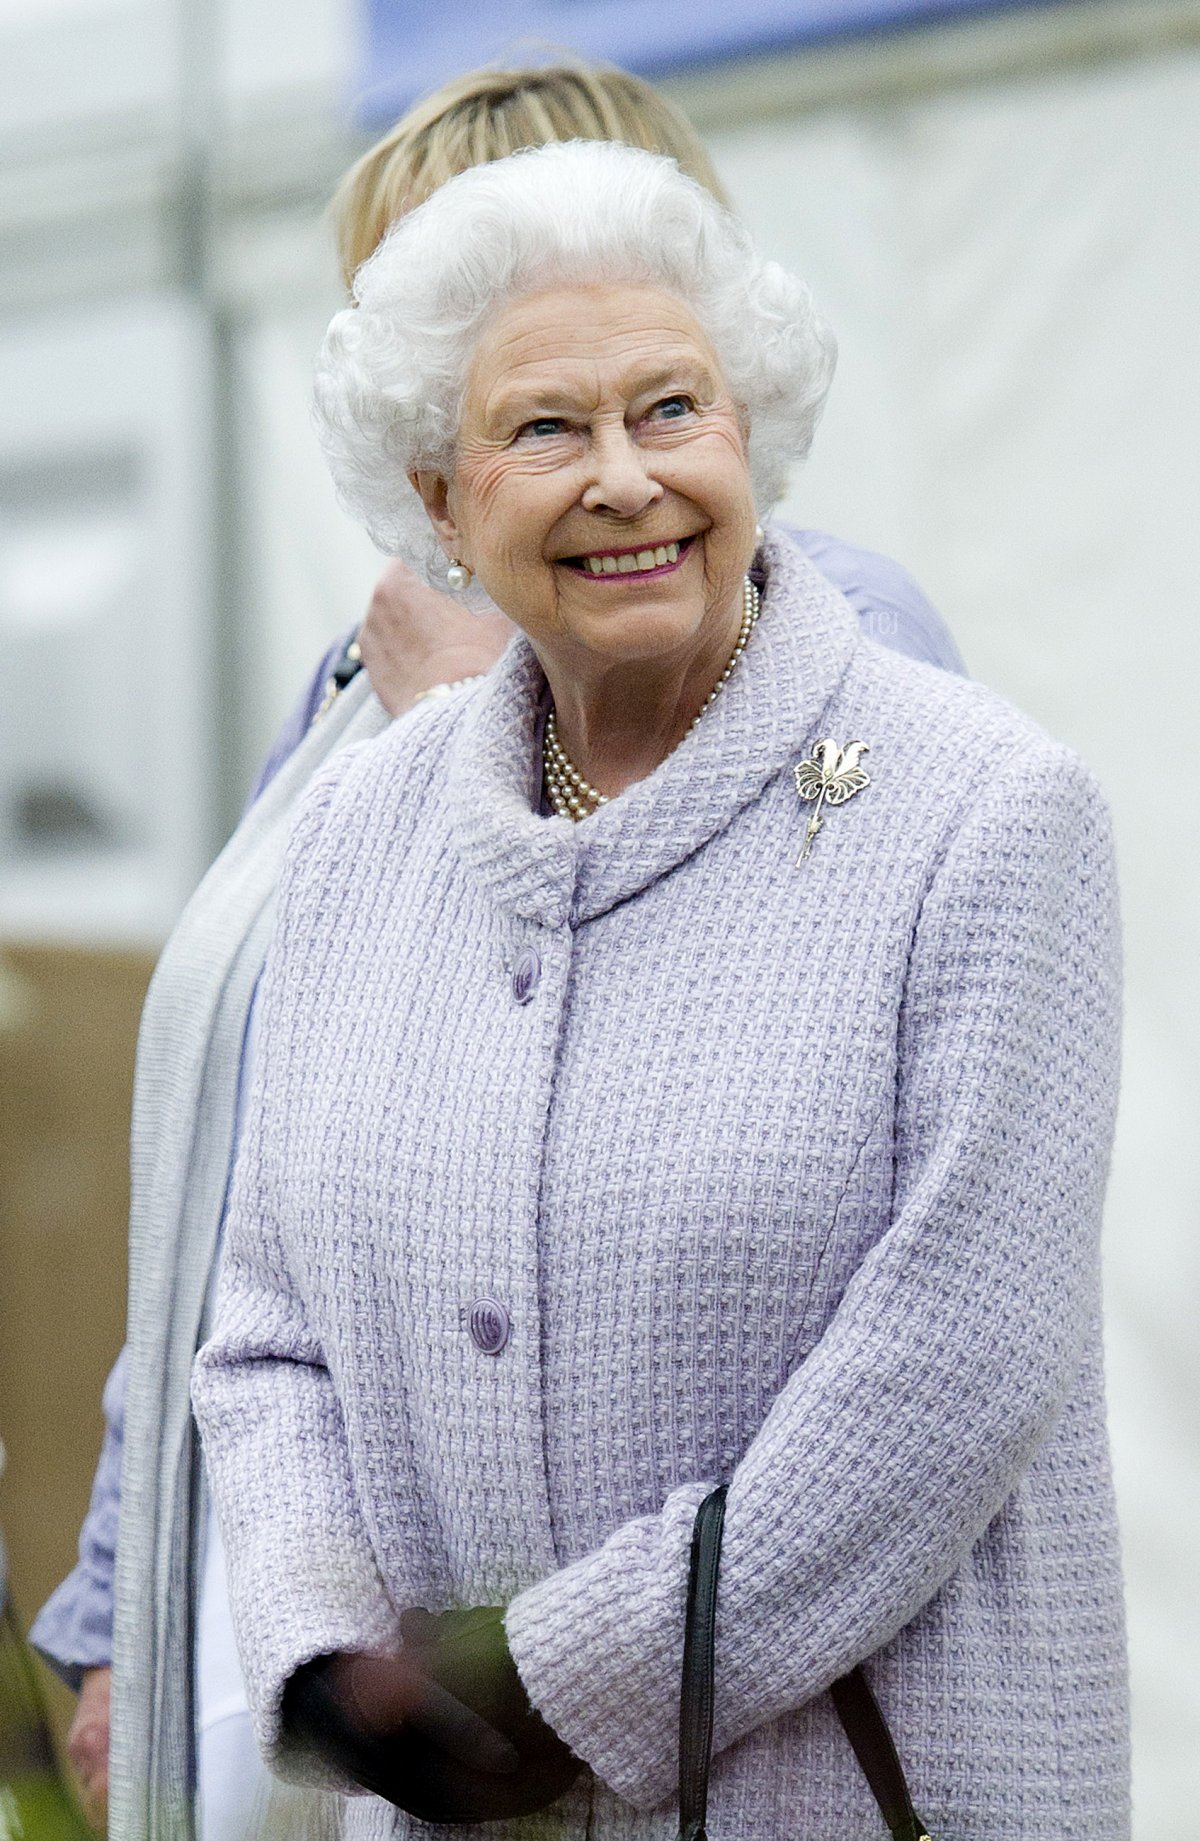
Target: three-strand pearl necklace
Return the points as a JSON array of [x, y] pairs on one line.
[[574, 797]]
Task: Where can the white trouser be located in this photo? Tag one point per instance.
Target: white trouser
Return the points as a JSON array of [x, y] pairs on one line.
[[232, 1781]]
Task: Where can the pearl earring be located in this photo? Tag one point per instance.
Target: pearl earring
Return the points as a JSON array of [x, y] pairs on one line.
[[457, 576]]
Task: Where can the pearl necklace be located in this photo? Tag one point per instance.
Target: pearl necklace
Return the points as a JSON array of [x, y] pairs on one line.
[[574, 797]]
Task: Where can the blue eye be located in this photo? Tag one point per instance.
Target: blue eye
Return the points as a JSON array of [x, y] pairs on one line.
[[544, 425], [672, 407]]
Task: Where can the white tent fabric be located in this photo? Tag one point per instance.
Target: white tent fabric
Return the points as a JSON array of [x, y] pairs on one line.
[[1012, 270]]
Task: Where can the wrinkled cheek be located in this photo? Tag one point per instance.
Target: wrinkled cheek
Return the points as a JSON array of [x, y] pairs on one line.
[[477, 499], [510, 567], [507, 561], [501, 526]]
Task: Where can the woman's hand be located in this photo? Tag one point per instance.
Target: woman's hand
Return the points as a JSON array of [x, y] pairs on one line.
[[413, 637], [87, 1744], [443, 1730]]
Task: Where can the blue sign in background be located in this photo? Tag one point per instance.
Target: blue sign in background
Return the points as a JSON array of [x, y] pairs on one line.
[[413, 45]]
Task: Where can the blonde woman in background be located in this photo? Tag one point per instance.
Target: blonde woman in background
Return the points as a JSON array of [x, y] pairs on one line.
[[197, 1039]]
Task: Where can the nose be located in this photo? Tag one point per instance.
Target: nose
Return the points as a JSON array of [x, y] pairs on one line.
[[620, 483]]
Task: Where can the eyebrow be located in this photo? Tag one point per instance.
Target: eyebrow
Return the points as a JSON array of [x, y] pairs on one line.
[[524, 403]]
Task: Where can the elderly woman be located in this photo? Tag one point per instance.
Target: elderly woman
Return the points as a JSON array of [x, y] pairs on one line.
[[687, 1056], [195, 1045]]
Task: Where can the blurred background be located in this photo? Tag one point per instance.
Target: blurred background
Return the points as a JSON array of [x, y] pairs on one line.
[[998, 206]]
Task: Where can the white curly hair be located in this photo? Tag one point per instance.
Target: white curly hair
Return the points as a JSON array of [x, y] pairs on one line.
[[393, 368]]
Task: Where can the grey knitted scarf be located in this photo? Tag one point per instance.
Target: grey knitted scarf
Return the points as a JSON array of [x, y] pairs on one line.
[[189, 1051]]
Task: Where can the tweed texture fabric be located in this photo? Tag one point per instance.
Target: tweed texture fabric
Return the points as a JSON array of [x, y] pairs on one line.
[[786, 1175]]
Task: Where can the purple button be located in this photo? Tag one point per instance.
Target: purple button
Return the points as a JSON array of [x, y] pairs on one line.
[[526, 973], [489, 1324]]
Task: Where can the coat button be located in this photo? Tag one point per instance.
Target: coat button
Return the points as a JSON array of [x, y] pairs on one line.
[[526, 973], [489, 1324]]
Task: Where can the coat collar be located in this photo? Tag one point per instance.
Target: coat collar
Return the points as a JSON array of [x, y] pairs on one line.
[[551, 871]]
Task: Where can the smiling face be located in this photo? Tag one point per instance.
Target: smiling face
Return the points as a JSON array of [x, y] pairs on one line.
[[602, 492]]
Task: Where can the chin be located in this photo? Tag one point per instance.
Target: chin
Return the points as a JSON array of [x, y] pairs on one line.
[[641, 629]]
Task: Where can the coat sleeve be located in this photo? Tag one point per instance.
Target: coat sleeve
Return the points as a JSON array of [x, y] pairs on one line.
[[888, 1452], [302, 1575]]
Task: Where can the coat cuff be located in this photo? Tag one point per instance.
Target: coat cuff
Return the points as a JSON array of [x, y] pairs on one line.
[[599, 1649]]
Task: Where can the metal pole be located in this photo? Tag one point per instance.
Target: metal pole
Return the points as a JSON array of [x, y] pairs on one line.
[[197, 227]]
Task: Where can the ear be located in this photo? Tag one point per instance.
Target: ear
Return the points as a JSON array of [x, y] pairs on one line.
[[434, 492]]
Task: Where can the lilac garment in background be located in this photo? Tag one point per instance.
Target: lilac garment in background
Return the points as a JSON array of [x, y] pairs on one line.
[[74, 1628], [300, 720], [73, 1631], [890, 605]]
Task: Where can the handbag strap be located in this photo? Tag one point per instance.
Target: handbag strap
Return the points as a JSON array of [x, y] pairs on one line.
[[699, 1637], [854, 1703], [867, 1730]]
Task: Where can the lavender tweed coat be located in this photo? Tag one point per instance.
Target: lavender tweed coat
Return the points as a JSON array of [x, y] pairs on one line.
[[786, 1175]]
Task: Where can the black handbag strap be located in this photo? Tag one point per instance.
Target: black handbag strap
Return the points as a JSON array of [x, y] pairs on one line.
[[696, 1697], [868, 1733], [854, 1703]]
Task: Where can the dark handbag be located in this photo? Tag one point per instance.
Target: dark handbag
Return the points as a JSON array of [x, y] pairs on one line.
[[854, 1703]]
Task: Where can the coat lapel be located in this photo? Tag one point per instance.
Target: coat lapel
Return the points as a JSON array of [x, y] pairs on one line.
[[551, 871]]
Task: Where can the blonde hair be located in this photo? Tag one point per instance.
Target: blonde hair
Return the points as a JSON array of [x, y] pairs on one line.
[[489, 114]]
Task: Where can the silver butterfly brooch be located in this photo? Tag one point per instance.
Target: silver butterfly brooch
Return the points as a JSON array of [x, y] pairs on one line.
[[830, 776]]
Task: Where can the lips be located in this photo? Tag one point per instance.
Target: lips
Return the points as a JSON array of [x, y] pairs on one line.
[[647, 560]]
